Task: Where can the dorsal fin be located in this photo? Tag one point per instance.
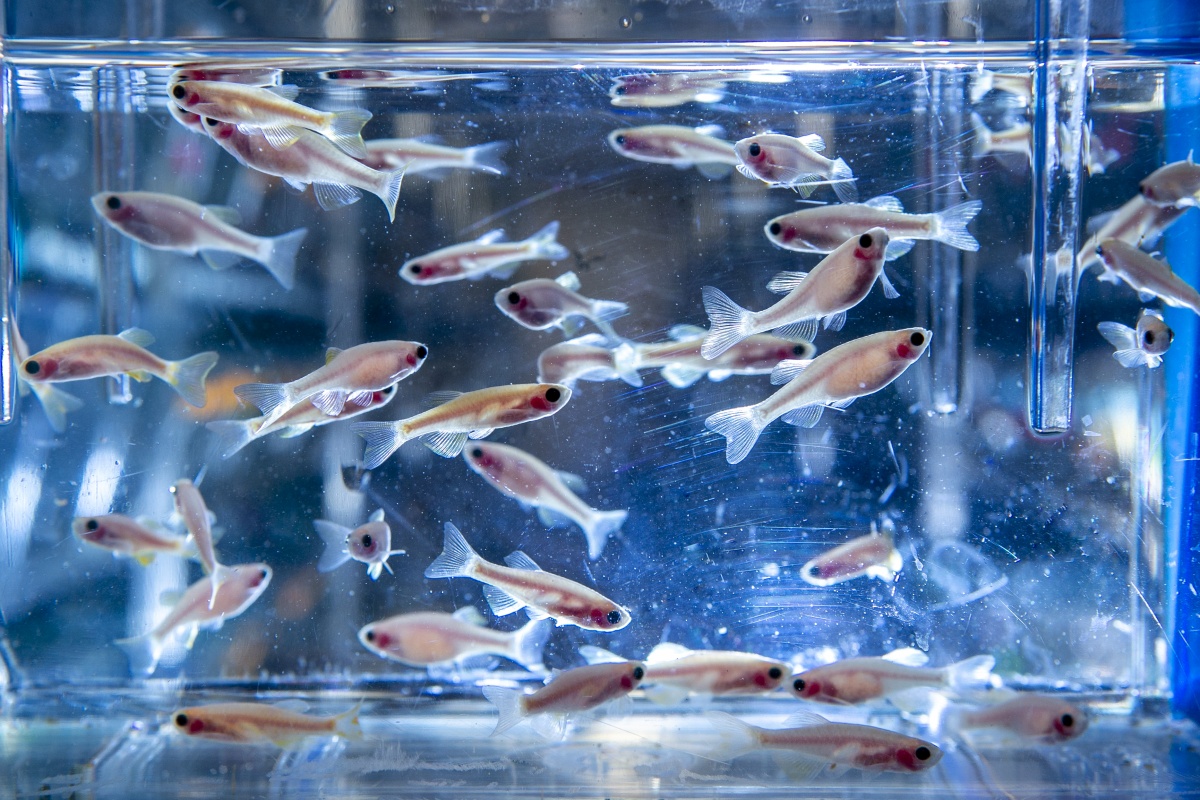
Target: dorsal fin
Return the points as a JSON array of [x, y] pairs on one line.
[[137, 336], [376, 516], [568, 280], [812, 141], [666, 651], [885, 203], [907, 656], [331, 353], [518, 560], [435, 399], [492, 237], [227, 214], [803, 719]]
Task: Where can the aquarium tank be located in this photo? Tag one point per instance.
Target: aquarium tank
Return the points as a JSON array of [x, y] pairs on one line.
[[600, 399]]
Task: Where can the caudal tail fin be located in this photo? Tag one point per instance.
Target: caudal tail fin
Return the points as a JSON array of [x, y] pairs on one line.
[[232, 434], [952, 225], [843, 182], [736, 737], [382, 440], [187, 377], [508, 702], [272, 399], [982, 144], [457, 558], [730, 323], [334, 536], [143, 652], [280, 256], [546, 244], [346, 724], [529, 642], [602, 525], [971, 673], [486, 157], [389, 193], [345, 130], [740, 427]]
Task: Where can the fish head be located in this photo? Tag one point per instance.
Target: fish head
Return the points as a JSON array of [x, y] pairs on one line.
[[907, 345], [610, 617], [760, 157], [418, 272], [370, 542], [185, 94], [918, 756], [93, 530], [1154, 336], [785, 233], [869, 247], [189, 721], [411, 356], [40, 368], [114, 206], [484, 459], [770, 676], [547, 398], [632, 675], [375, 639], [218, 130], [810, 686], [187, 119], [623, 140], [529, 305]]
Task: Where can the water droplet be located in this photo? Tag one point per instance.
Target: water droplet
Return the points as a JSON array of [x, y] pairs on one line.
[[626, 22]]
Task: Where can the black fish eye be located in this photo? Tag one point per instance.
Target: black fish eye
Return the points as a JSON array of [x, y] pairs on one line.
[[422, 351], [370, 636], [1149, 337], [638, 672], [754, 150], [113, 202], [210, 122], [865, 240], [619, 90], [775, 228], [798, 684], [552, 396], [91, 525], [390, 389], [33, 367], [415, 269], [1067, 720], [477, 452], [917, 339], [181, 720], [262, 573], [619, 138], [614, 617], [178, 92], [774, 673], [366, 540], [798, 350], [922, 753], [514, 298], [1100, 251]]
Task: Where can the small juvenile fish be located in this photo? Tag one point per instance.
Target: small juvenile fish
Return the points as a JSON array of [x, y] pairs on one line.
[[55, 402], [677, 145], [833, 379], [666, 89], [271, 111], [681, 362], [1016, 139], [428, 638], [1141, 347], [673, 672], [166, 222], [586, 358], [370, 543], [490, 255], [794, 162], [349, 376], [197, 519], [1019, 84], [418, 156], [534, 483], [570, 692], [857, 680], [140, 539], [193, 612], [813, 743], [1048, 719], [1146, 274], [837, 284], [444, 429], [1175, 184], [825, 228], [1137, 222], [124, 354], [523, 584], [873, 555], [251, 723], [336, 178], [542, 303], [234, 434]]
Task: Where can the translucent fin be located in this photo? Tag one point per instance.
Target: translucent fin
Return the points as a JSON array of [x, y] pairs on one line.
[[56, 403], [551, 518], [896, 248], [970, 673], [667, 651], [680, 376], [608, 310], [492, 237], [331, 402], [812, 141], [361, 399], [683, 333], [545, 243], [598, 655], [280, 256], [843, 182], [457, 558], [1146, 296], [280, 137], [187, 376], [266, 397], [346, 724], [666, 694], [137, 336], [501, 602], [470, 615], [799, 767], [805, 416], [729, 322], [568, 280], [786, 371], [507, 701], [1131, 359], [737, 738], [390, 193], [334, 537], [602, 525], [714, 170], [572, 481], [804, 719], [382, 440], [889, 290], [435, 399], [981, 85], [232, 435], [219, 260], [952, 225], [143, 653], [1119, 336], [446, 444], [740, 427], [786, 282], [835, 322], [486, 157], [226, 214], [519, 560], [805, 329], [332, 196], [885, 203], [528, 644], [908, 656], [345, 130]]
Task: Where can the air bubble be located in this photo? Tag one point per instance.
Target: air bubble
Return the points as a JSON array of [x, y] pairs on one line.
[[626, 23], [807, 19]]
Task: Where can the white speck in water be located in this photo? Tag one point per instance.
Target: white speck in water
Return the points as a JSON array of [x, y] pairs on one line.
[[771, 570], [722, 630]]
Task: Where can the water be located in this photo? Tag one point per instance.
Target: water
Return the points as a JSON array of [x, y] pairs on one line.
[[1056, 554]]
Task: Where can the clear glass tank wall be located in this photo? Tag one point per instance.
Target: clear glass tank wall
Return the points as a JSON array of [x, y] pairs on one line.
[[1034, 488]]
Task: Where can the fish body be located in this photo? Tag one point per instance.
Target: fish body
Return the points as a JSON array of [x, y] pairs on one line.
[[825, 228], [682, 363], [533, 482], [427, 638], [1048, 719], [416, 156], [667, 89], [336, 178], [54, 401], [833, 379], [270, 111], [570, 692], [523, 584], [793, 162], [1141, 346], [873, 556], [586, 358], [351, 376], [676, 145], [1138, 222], [370, 543], [1174, 184], [837, 284], [166, 222], [490, 254], [197, 519], [193, 611], [252, 723], [1146, 274], [445, 428], [858, 680], [542, 303], [124, 354], [711, 672], [139, 539]]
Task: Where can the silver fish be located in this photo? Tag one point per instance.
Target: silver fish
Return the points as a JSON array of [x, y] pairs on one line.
[[417, 156], [490, 254], [1146, 274], [681, 362], [872, 556], [570, 692], [1141, 346], [677, 145], [857, 680], [251, 723], [1137, 222], [1175, 184], [370, 543], [793, 162], [542, 303], [428, 638]]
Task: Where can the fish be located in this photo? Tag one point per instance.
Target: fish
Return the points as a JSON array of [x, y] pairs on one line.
[[54, 401], [542, 303], [166, 222], [270, 110], [1147, 275], [569, 692], [1143, 346], [490, 254], [430, 638], [1034, 716], [833, 379], [193, 122], [585, 358], [667, 89], [523, 584], [445, 428], [535, 483], [227, 73], [351, 376], [1137, 222], [234, 434], [836, 285], [100, 355], [1018, 84], [140, 539], [1096, 156], [856, 680], [252, 723], [681, 363], [197, 519], [336, 178], [418, 156], [1016, 139], [793, 162], [370, 543], [193, 612], [872, 556], [825, 228], [673, 672], [810, 743], [1174, 184], [677, 145]]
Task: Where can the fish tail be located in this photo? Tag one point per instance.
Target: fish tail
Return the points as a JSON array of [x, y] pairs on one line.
[[529, 642], [486, 157], [272, 399], [952, 225], [382, 438], [602, 525], [279, 256], [390, 193], [971, 673], [345, 130], [843, 181], [736, 737], [983, 137], [730, 323], [457, 560], [625, 359], [507, 701], [545, 243], [187, 376], [608, 310], [232, 434], [346, 724], [143, 652], [334, 537], [740, 427], [220, 574], [57, 404]]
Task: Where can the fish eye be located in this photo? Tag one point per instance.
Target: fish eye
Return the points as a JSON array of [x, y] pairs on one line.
[[865, 240], [91, 525], [1100, 250], [415, 269], [262, 573], [514, 298], [1067, 720], [638, 673], [178, 92], [113, 202], [422, 351], [210, 122], [552, 395], [775, 673], [369, 636], [33, 367], [477, 452], [366, 540], [775, 228], [922, 753], [754, 150], [1148, 192], [181, 720], [619, 138], [614, 616], [390, 389], [917, 339], [1149, 337], [619, 90], [798, 350], [798, 684]]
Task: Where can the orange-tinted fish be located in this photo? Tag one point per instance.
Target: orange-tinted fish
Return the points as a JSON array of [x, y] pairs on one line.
[[140, 539], [1048, 719], [873, 556], [252, 723], [857, 680], [794, 162], [427, 638], [490, 254], [370, 543], [570, 692]]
